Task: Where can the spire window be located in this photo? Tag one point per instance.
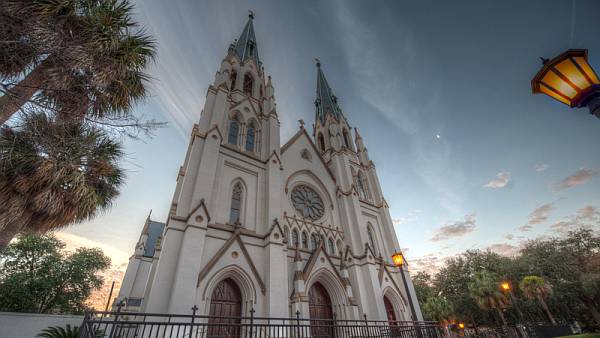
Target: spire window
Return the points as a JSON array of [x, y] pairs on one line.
[[236, 203], [371, 238], [321, 141], [331, 247], [248, 83], [363, 186], [232, 79], [346, 138], [234, 130], [250, 136]]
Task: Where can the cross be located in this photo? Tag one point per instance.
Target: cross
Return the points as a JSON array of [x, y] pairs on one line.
[[301, 123], [318, 62], [251, 13]]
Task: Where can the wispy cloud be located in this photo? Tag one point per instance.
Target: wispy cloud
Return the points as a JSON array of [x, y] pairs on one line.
[[580, 177], [541, 167], [455, 229], [118, 257], [433, 156], [586, 217], [505, 249], [537, 216], [501, 180], [411, 216]]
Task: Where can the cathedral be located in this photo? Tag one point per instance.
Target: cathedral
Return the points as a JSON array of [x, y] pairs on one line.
[[277, 230]]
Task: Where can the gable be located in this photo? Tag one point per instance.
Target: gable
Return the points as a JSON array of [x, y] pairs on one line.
[[293, 156]]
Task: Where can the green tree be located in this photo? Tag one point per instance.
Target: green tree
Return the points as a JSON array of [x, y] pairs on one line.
[[423, 286], [484, 289], [535, 287], [54, 174], [80, 58], [36, 275], [438, 309]]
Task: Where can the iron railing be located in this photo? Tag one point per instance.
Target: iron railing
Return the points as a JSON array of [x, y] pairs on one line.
[[151, 325]]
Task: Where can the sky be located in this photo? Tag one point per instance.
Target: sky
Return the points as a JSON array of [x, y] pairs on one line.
[[440, 90]]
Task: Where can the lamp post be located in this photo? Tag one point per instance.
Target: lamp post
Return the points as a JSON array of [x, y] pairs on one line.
[[398, 259], [569, 78], [506, 288]]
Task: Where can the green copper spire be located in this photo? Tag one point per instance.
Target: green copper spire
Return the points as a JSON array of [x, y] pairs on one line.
[[326, 102], [245, 47]]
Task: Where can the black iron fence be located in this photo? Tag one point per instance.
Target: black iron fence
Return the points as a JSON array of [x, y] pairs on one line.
[[151, 325]]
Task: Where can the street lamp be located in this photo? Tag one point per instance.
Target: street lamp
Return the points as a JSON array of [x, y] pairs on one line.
[[506, 287], [398, 259], [569, 78]]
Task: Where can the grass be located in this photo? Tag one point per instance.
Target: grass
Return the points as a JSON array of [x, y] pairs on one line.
[[585, 335]]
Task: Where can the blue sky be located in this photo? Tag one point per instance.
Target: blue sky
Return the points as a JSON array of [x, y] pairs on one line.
[[440, 91]]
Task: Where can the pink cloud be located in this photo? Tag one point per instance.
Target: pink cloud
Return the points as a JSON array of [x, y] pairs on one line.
[[580, 177], [455, 229]]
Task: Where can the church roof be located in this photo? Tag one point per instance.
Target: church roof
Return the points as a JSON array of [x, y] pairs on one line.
[[326, 102], [246, 47], [154, 231]]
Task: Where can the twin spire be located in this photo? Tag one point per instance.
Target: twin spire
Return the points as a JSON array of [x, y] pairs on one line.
[[246, 48]]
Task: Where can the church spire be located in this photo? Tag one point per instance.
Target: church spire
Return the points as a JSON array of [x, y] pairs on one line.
[[245, 47], [326, 102]]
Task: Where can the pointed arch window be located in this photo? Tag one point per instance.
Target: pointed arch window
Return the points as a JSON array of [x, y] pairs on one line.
[[313, 242], [232, 79], [321, 141], [250, 136], [346, 138], [363, 187], [236, 203], [248, 83], [295, 238], [340, 247], [331, 247], [286, 233], [304, 240], [234, 130], [371, 238]]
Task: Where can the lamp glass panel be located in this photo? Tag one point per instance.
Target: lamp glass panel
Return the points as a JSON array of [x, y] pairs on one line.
[[554, 81], [555, 96], [568, 69], [587, 69]]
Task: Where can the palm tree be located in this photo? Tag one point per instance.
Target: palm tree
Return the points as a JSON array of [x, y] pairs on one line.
[[53, 174], [67, 332], [536, 287], [77, 57], [484, 288]]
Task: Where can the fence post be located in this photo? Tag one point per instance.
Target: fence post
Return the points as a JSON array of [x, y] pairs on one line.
[[114, 326], [194, 309], [366, 324], [251, 321], [297, 323], [84, 326]]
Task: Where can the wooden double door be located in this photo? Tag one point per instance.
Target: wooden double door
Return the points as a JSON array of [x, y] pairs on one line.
[[226, 301], [321, 312]]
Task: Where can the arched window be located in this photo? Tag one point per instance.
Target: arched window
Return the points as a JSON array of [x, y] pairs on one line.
[[340, 247], [331, 247], [234, 130], [321, 142], [346, 139], [286, 234], [248, 82], [236, 203], [295, 238], [304, 240], [250, 136], [363, 188], [232, 79], [313, 242], [371, 238]]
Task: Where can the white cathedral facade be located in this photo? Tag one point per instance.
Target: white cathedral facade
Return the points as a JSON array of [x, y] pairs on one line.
[[278, 229]]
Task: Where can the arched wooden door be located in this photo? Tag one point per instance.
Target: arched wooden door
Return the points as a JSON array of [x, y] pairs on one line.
[[226, 301], [321, 313], [389, 310]]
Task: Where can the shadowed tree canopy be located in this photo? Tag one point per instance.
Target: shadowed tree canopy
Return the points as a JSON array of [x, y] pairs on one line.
[[37, 276]]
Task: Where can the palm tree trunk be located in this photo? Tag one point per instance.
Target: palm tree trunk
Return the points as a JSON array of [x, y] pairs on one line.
[[22, 92], [501, 316], [546, 309], [8, 233]]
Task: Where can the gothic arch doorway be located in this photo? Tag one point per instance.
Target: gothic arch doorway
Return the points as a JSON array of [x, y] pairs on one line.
[[389, 310], [321, 313], [226, 301]]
